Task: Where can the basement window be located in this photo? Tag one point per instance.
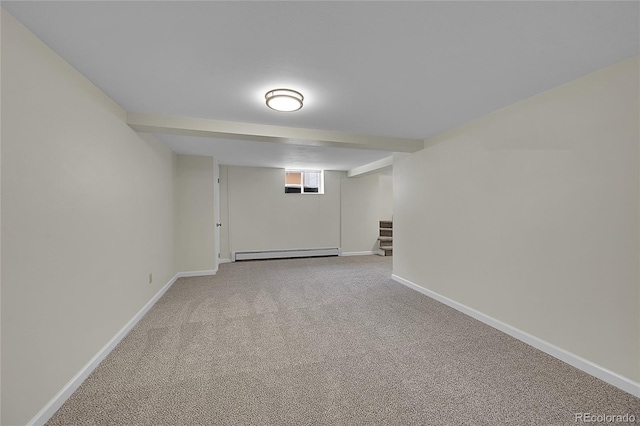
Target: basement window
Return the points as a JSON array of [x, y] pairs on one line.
[[304, 182]]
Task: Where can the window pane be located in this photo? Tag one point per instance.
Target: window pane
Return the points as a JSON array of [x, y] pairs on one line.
[[311, 180], [293, 178]]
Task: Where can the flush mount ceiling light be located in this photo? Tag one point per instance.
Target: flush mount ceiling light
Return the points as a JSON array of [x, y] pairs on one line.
[[284, 100]]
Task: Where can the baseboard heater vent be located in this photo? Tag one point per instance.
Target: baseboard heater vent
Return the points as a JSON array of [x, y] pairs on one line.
[[284, 254]]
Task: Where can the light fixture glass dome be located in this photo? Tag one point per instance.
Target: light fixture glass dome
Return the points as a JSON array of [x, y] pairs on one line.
[[284, 100]]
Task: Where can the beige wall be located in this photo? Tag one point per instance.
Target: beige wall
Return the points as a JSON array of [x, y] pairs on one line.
[[360, 213], [195, 248], [87, 214], [263, 217], [258, 215], [225, 253], [530, 215], [386, 196]]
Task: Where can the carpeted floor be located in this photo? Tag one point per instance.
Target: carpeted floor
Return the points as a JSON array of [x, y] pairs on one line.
[[326, 341]]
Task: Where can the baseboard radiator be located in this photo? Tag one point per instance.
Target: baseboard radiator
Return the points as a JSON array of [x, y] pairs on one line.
[[284, 254]]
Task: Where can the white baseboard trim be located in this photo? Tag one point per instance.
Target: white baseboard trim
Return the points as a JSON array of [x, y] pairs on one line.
[[358, 253], [196, 273], [56, 402], [572, 359], [224, 261]]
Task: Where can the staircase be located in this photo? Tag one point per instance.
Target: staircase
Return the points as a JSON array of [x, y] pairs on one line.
[[386, 237]]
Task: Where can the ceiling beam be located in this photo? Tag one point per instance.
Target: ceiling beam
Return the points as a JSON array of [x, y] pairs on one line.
[[187, 126], [376, 166]]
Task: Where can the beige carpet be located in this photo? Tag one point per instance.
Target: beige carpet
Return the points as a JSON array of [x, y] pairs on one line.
[[326, 341]]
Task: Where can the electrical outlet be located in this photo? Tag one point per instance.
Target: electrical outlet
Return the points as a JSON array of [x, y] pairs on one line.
[[150, 278]]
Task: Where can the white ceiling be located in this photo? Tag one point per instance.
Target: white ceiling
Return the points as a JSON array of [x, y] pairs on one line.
[[397, 69]]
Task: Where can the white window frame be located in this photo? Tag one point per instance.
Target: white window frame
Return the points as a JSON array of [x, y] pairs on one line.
[[301, 186]]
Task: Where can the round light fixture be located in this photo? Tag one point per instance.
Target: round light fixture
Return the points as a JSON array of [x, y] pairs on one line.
[[284, 100]]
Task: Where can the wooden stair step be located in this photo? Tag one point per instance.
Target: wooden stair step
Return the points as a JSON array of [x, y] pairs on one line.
[[386, 238]]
